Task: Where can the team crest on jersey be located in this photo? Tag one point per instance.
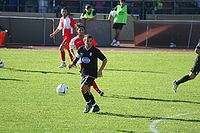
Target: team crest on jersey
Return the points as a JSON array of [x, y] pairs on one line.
[[90, 54], [85, 60]]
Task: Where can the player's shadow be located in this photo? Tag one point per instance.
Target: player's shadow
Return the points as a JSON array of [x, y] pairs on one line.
[[129, 70], [11, 79], [125, 131], [37, 71], [145, 117], [152, 99]]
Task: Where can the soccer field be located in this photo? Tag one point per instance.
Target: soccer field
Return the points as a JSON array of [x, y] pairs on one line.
[[137, 86]]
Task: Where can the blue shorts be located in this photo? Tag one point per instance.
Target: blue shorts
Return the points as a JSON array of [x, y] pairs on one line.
[[87, 80], [118, 26]]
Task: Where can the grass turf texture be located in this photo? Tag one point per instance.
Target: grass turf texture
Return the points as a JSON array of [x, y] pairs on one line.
[[137, 86]]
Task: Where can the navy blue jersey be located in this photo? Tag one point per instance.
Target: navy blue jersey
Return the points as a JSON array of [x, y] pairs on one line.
[[89, 60]]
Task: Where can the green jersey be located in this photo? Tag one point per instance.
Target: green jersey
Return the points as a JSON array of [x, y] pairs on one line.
[[122, 13]]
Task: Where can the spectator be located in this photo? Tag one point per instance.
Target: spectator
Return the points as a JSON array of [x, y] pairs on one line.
[[88, 14]]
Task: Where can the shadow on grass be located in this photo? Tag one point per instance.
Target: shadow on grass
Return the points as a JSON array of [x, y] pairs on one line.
[[145, 117], [152, 99], [36, 71], [13, 79], [125, 131], [128, 70]]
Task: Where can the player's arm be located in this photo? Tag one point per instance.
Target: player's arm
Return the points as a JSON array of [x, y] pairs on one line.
[[58, 29], [74, 61], [101, 56], [103, 64], [82, 15]]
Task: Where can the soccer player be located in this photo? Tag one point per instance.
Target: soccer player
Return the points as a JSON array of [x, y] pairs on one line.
[[194, 71], [66, 24], [89, 71], [77, 42], [89, 14], [120, 19]]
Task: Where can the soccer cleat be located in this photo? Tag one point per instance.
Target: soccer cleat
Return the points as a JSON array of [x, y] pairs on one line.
[[117, 44], [87, 108], [101, 93], [96, 108], [113, 42], [62, 65], [175, 86]]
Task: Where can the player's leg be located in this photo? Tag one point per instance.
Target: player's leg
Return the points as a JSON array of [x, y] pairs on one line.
[[94, 85], [194, 72], [68, 39], [89, 98], [62, 55]]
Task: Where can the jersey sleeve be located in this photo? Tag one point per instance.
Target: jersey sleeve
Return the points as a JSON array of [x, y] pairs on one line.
[[100, 55], [73, 22], [72, 44]]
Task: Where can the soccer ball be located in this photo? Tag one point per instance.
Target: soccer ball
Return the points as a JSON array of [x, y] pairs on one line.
[[62, 89], [1, 64], [113, 13]]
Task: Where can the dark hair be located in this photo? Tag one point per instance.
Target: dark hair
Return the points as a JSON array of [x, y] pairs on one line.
[[64, 8], [88, 36], [87, 6], [79, 25]]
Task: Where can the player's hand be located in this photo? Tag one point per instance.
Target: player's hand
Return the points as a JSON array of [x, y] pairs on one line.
[[100, 74], [51, 35]]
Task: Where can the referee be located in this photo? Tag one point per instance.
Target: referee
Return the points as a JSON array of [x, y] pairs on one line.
[[194, 71]]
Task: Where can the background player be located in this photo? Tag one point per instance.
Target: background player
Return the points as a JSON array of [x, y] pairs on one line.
[[120, 19], [194, 71], [77, 42], [88, 14], [89, 71], [66, 24]]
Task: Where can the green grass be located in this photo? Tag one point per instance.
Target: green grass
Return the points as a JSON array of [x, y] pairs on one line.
[[137, 86]]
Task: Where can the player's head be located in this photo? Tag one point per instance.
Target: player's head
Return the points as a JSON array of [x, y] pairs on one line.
[[80, 29], [88, 40], [64, 11], [88, 8], [122, 2]]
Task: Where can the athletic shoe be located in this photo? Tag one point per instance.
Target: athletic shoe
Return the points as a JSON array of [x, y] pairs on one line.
[[117, 44], [113, 42], [96, 108], [101, 93], [175, 86], [62, 65], [87, 108], [1, 64]]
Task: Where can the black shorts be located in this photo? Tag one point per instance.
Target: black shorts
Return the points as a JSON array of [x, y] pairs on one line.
[[87, 80], [196, 67], [118, 26]]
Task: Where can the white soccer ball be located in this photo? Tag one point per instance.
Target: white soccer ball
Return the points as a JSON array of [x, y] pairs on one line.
[[62, 89], [113, 13]]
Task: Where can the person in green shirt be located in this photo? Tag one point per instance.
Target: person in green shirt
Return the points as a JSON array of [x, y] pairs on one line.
[[119, 14], [89, 14]]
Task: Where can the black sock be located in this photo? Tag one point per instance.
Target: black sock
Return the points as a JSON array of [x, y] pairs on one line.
[[183, 79], [87, 97], [92, 99]]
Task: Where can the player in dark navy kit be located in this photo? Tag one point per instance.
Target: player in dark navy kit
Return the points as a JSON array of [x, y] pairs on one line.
[[89, 71], [194, 71]]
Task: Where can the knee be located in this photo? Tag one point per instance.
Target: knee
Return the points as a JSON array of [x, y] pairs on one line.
[[192, 76], [61, 48]]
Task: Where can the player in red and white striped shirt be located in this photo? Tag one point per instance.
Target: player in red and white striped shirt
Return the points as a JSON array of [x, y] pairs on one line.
[[66, 24], [77, 42]]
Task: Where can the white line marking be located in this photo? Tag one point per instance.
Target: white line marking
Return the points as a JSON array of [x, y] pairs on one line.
[[153, 124]]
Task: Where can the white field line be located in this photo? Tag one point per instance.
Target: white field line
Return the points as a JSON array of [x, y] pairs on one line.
[[153, 124]]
